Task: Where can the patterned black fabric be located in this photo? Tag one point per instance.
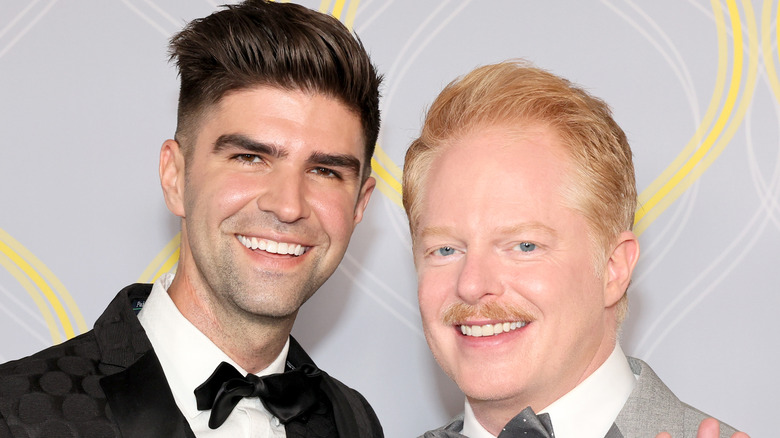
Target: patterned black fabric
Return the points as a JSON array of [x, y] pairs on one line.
[[527, 424], [109, 383], [55, 395], [317, 424]]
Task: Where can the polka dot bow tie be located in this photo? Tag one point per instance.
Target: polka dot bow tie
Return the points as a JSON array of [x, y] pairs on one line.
[[526, 424], [286, 395]]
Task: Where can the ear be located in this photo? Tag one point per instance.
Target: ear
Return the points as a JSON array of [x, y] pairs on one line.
[[172, 176], [363, 197], [620, 266]]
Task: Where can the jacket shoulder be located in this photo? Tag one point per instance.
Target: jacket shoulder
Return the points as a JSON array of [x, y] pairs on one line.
[[653, 408], [55, 392]]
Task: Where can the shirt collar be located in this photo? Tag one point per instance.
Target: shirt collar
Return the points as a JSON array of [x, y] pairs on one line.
[[588, 410], [187, 356]]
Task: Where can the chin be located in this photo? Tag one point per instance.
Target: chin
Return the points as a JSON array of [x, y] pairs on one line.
[[491, 392], [478, 383]]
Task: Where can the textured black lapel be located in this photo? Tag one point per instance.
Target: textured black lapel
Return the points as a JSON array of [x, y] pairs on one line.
[[136, 390], [342, 411], [141, 401]]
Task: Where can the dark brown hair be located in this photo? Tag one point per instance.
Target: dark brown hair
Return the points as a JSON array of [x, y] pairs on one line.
[[282, 45]]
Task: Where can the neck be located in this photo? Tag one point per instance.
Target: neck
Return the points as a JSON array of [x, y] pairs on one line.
[[252, 342]]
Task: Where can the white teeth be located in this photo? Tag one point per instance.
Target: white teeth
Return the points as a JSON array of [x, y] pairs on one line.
[[271, 246], [491, 329]]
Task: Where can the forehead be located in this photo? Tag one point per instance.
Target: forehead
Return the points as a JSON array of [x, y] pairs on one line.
[[287, 117], [504, 172]]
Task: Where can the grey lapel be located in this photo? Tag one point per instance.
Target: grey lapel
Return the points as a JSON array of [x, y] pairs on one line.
[[652, 408], [613, 432], [450, 430]]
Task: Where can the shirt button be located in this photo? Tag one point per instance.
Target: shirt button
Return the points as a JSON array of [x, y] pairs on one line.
[[276, 422]]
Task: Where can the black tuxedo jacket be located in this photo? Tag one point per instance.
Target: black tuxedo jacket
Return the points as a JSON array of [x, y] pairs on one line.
[[108, 382]]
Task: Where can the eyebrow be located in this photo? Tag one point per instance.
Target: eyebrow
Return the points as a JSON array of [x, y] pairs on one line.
[[227, 141], [525, 227], [438, 231], [435, 232], [343, 161]]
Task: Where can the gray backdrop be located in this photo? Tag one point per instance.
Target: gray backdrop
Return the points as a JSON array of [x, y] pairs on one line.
[[87, 97]]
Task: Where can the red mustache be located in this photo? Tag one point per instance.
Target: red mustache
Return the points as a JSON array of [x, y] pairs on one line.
[[458, 313]]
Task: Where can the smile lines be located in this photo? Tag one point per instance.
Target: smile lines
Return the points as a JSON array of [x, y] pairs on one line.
[[491, 329], [271, 246]]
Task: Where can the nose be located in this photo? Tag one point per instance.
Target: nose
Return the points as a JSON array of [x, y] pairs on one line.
[[479, 277], [285, 197]]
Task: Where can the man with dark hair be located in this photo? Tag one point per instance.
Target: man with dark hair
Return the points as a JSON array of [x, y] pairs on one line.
[[269, 173], [523, 265]]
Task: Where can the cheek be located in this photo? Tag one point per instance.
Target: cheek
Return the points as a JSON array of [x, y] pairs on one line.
[[432, 296], [223, 196], [568, 295], [335, 212]]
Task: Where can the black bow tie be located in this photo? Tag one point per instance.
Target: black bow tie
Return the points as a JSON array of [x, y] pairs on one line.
[[286, 395], [526, 424]]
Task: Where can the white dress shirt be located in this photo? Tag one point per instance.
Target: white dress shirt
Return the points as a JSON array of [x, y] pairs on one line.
[[188, 358], [588, 410]]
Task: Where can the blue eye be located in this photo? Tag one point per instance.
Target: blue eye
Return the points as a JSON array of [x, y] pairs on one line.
[[526, 246], [444, 251]]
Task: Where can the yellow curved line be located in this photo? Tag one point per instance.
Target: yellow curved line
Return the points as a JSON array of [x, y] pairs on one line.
[[163, 255], [382, 175], [388, 163], [324, 6], [739, 114], [390, 192], [718, 128], [152, 270], [338, 8], [351, 13], [709, 115], [766, 46], [42, 286], [168, 265], [49, 276], [51, 323]]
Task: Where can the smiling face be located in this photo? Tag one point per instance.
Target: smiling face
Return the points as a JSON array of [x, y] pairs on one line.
[[512, 306], [269, 199]]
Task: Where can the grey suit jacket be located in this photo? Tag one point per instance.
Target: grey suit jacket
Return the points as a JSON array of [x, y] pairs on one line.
[[650, 409]]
